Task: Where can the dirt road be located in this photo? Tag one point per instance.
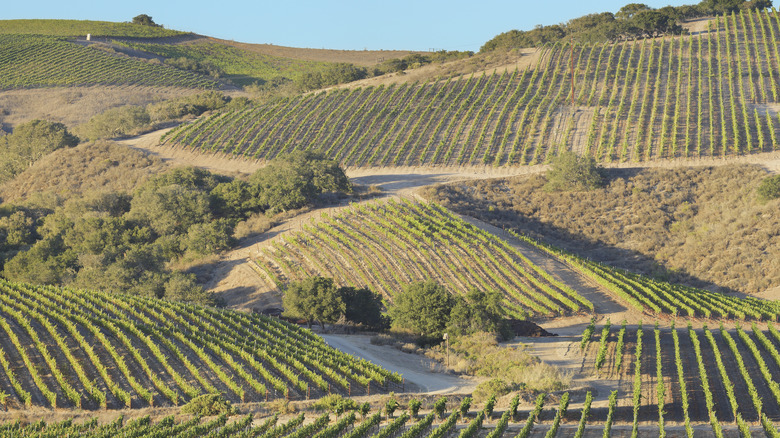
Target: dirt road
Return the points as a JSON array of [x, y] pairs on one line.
[[422, 373]]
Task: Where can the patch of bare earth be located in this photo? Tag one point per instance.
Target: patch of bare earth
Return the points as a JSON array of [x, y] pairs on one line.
[[697, 25], [424, 374]]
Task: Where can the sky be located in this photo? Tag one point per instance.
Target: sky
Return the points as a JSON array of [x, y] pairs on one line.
[[335, 24]]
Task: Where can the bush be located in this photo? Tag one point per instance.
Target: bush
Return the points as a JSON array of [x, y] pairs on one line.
[[414, 407], [493, 386], [570, 172], [29, 142], [769, 189], [117, 122], [422, 307], [208, 405]]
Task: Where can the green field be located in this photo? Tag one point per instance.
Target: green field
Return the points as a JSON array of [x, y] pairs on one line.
[[242, 67], [385, 246]]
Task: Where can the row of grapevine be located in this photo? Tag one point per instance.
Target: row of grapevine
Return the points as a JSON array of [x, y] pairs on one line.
[[28, 61], [385, 246], [144, 351], [736, 371], [691, 96], [644, 294]]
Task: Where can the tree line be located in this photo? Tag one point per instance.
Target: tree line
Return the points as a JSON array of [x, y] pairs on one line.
[[632, 21], [426, 309]]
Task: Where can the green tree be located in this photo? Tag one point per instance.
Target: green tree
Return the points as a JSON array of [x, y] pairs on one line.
[[362, 306], [571, 172], [294, 180], [313, 299], [144, 20], [628, 11], [29, 142], [479, 311], [116, 122], [769, 189], [422, 307]]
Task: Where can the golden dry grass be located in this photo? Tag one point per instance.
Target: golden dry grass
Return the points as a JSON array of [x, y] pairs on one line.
[[100, 166], [697, 225]]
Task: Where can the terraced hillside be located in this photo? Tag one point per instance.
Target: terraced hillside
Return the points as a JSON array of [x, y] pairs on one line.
[[70, 348], [711, 94], [30, 61]]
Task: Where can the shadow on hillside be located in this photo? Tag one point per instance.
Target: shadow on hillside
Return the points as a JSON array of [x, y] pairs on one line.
[[579, 244], [395, 182]]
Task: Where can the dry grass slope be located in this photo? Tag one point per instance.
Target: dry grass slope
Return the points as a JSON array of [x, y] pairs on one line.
[[699, 226]]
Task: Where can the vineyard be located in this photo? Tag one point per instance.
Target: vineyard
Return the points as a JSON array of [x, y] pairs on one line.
[[73, 28], [690, 376], [242, 67], [645, 294], [385, 246], [70, 348], [550, 416], [710, 94], [40, 61]]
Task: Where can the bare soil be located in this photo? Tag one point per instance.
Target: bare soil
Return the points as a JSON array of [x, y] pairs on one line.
[[421, 373]]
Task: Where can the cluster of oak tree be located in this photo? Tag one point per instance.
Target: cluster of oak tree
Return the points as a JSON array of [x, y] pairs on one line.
[[632, 21], [426, 309]]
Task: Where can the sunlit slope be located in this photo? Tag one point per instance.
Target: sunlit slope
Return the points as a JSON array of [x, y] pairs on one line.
[[28, 61], [386, 246], [73, 28], [711, 94], [70, 348]]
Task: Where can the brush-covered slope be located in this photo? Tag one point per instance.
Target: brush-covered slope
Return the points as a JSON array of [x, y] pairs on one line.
[[711, 94], [62, 347], [701, 226]]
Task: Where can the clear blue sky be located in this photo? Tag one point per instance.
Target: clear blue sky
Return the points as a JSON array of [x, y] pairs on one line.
[[336, 24]]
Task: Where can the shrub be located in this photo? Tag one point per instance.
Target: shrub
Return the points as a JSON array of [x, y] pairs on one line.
[[414, 407], [390, 406], [29, 142], [117, 122], [769, 189], [497, 387], [208, 405], [364, 409], [569, 172]]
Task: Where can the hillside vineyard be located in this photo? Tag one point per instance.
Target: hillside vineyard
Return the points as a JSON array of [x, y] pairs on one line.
[[30, 61], [385, 246], [709, 94], [150, 352]]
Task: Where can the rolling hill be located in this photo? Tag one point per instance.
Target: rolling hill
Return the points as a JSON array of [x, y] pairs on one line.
[[713, 94]]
